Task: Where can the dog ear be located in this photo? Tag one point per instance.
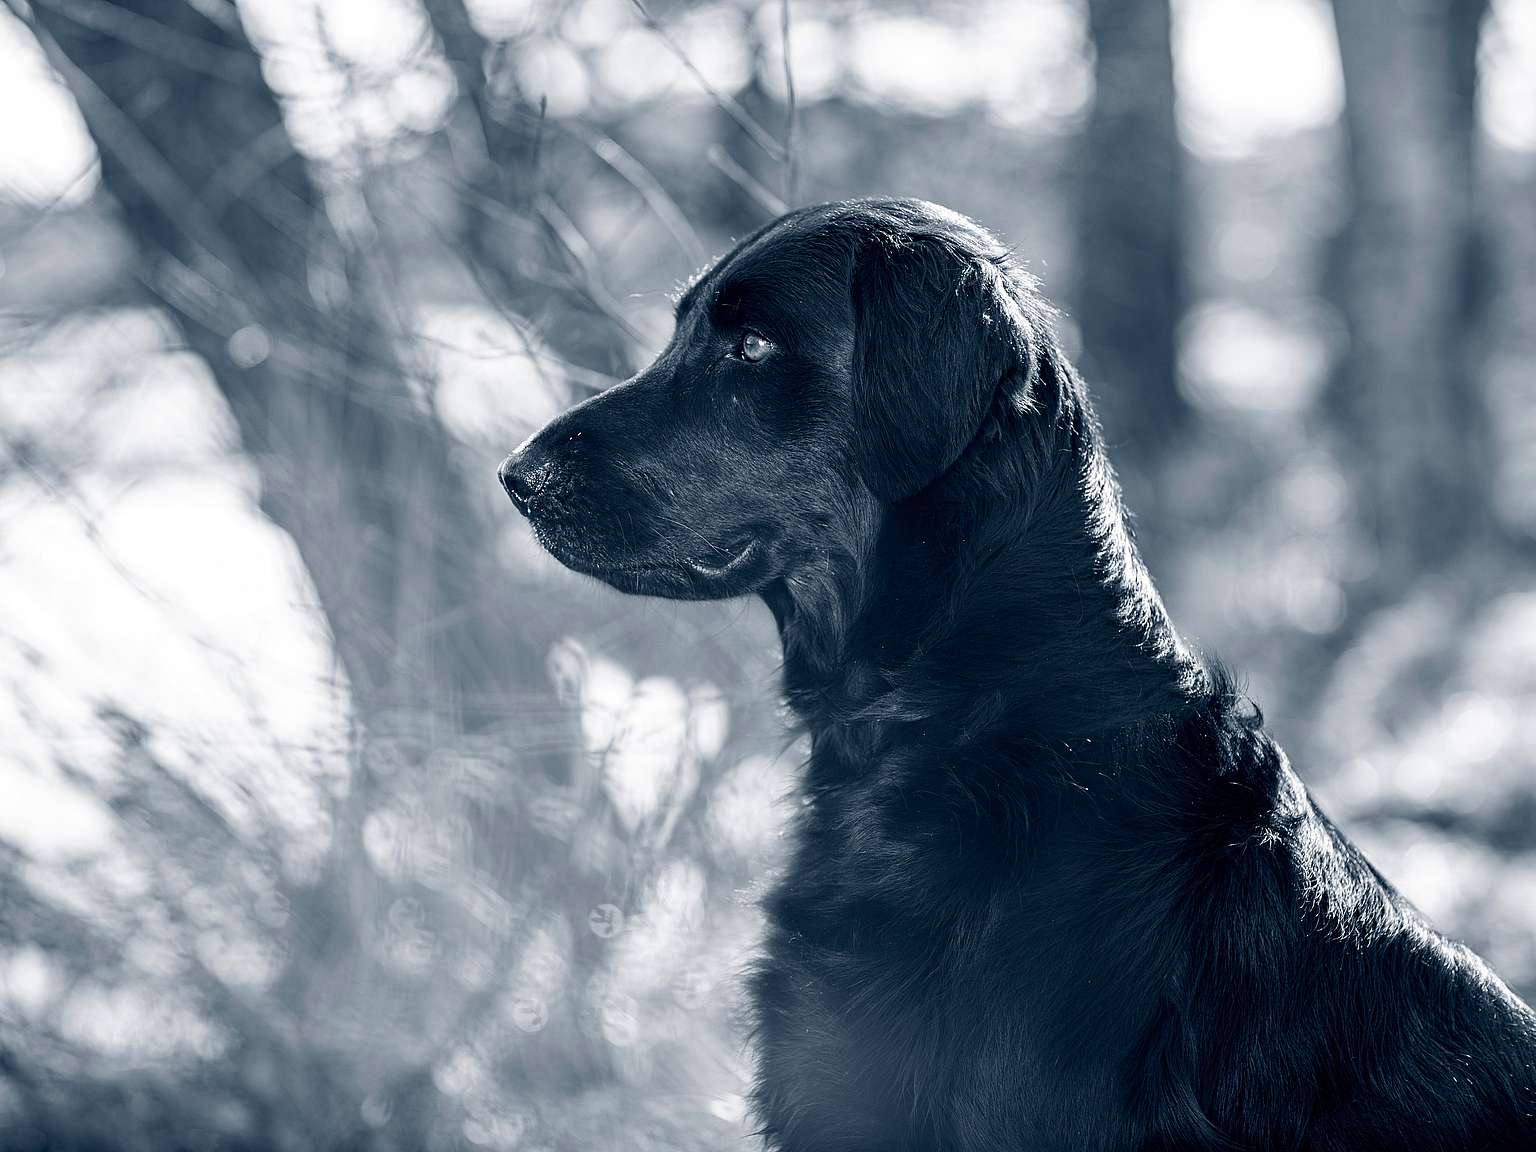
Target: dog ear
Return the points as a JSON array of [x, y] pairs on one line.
[[936, 330]]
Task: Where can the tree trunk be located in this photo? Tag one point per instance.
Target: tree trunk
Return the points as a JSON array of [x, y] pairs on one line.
[[354, 469], [1131, 289], [275, 288], [1410, 279], [278, 287]]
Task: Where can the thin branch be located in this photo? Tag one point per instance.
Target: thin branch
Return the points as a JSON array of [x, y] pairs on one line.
[[495, 195], [536, 150], [221, 13], [584, 260], [235, 177], [727, 103], [748, 183], [792, 104], [580, 279], [154, 175], [157, 39], [585, 379], [65, 492], [639, 177], [53, 205]]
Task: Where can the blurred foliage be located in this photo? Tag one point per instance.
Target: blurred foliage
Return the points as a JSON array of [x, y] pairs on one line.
[[334, 814]]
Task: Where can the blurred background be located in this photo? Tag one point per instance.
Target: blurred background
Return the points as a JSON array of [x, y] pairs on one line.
[[334, 815]]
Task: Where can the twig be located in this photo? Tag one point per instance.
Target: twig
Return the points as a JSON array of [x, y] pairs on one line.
[[221, 13], [64, 492], [232, 179], [583, 378], [792, 125], [494, 198], [115, 130], [747, 182], [157, 39], [728, 104], [536, 151], [51, 207], [584, 260], [639, 177]]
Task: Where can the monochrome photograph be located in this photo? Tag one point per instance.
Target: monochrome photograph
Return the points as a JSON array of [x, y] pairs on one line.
[[767, 575]]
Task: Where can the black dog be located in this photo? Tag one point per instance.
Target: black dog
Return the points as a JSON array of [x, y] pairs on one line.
[[1055, 888]]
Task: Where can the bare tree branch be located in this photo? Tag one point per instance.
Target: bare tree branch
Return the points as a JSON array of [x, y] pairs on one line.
[[640, 178], [748, 183], [157, 38], [792, 113], [724, 101]]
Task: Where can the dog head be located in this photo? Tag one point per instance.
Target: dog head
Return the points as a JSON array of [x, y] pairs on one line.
[[833, 364]]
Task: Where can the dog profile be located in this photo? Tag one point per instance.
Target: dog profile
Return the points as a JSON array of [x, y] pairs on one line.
[[1054, 886]]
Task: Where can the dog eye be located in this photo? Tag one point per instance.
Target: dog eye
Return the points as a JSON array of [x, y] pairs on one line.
[[752, 347]]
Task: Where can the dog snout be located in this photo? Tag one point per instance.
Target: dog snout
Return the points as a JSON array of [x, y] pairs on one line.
[[523, 479]]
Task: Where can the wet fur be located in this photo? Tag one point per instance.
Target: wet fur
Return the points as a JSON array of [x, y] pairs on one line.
[[1055, 887]]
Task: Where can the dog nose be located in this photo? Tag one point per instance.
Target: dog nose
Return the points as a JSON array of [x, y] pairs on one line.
[[520, 484]]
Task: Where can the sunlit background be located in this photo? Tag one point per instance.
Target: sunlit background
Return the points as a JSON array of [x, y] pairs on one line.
[[333, 814]]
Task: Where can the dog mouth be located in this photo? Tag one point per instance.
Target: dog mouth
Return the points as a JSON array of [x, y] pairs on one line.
[[737, 553], [711, 571]]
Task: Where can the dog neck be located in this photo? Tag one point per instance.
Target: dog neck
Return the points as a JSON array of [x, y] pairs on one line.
[[1005, 602]]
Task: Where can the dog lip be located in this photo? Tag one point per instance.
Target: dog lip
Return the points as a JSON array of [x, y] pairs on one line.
[[743, 553]]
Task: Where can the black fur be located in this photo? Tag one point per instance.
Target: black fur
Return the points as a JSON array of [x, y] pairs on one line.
[[1055, 887]]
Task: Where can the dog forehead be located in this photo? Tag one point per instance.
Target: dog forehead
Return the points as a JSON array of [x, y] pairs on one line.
[[786, 249], [819, 243], [848, 224], [830, 236]]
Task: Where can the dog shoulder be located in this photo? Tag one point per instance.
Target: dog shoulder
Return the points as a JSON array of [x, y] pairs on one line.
[[1310, 977]]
